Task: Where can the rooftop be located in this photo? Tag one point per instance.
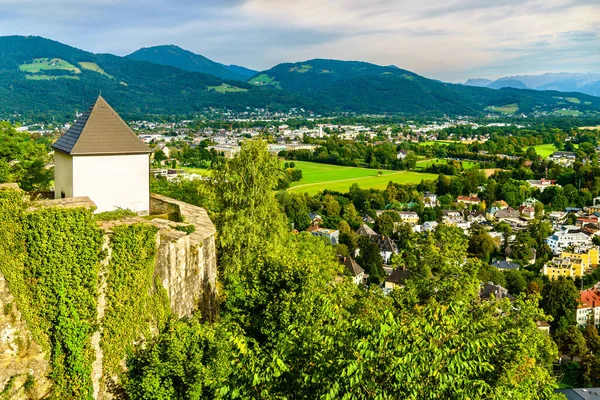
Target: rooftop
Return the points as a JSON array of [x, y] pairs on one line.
[[100, 131]]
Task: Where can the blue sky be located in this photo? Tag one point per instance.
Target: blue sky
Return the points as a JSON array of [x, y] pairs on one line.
[[448, 40]]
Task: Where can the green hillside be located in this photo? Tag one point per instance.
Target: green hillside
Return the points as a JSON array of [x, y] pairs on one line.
[[41, 77], [363, 87], [177, 57]]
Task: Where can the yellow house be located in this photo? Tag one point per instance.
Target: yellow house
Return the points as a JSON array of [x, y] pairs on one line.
[[572, 265]]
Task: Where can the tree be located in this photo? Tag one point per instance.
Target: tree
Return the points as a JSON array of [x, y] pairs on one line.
[[370, 258], [559, 300], [592, 338], [571, 342], [248, 216], [482, 245], [384, 225], [159, 156]]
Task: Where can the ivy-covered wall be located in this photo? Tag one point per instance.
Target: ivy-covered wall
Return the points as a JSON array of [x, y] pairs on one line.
[[136, 301], [55, 266], [50, 262]]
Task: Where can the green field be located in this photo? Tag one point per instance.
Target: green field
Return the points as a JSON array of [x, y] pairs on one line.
[[568, 113], [264, 79], [545, 150], [317, 177], [42, 77], [225, 88], [422, 164], [507, 109], [574, 100], [45, 64], [301, 69], [90, 66]]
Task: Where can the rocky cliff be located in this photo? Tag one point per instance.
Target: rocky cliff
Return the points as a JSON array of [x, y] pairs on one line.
[[182, 259]]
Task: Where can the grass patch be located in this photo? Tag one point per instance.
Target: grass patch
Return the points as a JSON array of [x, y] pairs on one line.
[[574, 100], [545, 150], [50, 77], [45, 64], [90, 66], [424, 164], [225, 88], [198, 171], [506, 109], [301, 69], [264, 79], [568, 113], [317, 177]]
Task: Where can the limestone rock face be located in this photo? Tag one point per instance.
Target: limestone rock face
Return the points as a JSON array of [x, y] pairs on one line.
[[186, 263], [23, 364]]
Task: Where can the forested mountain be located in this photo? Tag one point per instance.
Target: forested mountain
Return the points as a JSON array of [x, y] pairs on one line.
[[41, 77], [364, 87], [177, 57], [562, 82]]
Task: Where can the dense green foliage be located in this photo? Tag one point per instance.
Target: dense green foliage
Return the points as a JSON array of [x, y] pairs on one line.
[[186, 60], [132, 87], [136, 87], [23, 159], [365, 88], [291, 325], [131, 292], [53, 275]]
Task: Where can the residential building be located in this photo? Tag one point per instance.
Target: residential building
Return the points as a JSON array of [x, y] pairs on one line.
[[476, 216], [507, 213], [355, 270], [410, 217], [100, 157], [505, 265], [332, 235], [527, 212], [572, 264], [430, 200], [366, 230], [472, 199], [568, 236], [588, 306], [387, 247], [541, 184], [452, 217], [487, 290], [228, 151], [397, 278]]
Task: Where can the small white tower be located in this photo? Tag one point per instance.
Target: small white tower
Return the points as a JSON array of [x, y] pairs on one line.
[[100, 157]]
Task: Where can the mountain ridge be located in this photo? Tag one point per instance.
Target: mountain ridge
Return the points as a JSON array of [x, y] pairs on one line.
[[40, 76]]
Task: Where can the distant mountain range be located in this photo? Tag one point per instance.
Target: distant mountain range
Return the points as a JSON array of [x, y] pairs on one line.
[[43, 77], [562, 82], [177, 57]]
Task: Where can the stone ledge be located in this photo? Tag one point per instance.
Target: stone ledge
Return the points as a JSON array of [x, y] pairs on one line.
[[69, 202], [190, 214]]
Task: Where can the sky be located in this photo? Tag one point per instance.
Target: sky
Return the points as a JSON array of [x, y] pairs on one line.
[[449, 40]]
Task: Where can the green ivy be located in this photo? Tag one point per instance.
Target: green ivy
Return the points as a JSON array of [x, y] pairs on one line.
[[186, 228], [51, 260], [135, 299], [115, 214]]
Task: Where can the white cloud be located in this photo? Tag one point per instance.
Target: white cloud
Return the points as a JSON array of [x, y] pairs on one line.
[[452, 41]]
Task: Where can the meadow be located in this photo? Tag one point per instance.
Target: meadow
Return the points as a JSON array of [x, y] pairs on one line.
[[422, 164], [545, 150], [317, 177], [507, 109]]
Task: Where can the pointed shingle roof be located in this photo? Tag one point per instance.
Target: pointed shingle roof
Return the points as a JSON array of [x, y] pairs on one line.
[[98, 131]]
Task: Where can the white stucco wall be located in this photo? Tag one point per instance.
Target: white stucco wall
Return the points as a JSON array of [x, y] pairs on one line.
[[63, 175], [114, 181]]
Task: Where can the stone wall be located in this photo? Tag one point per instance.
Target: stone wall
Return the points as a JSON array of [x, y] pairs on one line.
[[23, 364], [185, 264]]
